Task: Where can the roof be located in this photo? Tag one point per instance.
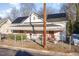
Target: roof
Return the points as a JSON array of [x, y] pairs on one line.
[[56, 17], [20, 19], [50, 18]]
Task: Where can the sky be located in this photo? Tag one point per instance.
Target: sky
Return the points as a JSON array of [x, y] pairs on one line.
[[5, 8]]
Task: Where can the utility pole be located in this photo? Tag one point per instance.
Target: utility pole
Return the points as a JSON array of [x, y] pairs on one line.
[[44, 26]]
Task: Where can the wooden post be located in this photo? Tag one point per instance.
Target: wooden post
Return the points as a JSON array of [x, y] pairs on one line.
[[0, 37], [44, 27], [14, 39]]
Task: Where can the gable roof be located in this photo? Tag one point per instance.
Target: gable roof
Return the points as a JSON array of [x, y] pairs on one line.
[[20, 19], [50, 18]]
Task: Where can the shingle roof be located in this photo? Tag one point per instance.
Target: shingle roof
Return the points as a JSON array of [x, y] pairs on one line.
[[19, 19]]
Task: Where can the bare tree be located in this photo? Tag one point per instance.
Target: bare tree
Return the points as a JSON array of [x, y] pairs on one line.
[[70, 10], [77, 12], [76, 25], [14, 13], [26, 8], [49, 10]]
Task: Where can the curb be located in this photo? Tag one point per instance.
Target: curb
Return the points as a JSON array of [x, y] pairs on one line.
[[42, 51]]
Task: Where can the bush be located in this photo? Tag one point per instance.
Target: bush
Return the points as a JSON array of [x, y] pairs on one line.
[[25, 37], [18, 36]]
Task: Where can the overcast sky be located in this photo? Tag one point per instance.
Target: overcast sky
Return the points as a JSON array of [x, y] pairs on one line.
[[6, 7]]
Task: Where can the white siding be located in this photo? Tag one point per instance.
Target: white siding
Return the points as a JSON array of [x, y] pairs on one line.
[[63, 35], [5, 28]]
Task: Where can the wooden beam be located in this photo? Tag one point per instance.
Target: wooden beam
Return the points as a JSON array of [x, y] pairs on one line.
[[44, 27]]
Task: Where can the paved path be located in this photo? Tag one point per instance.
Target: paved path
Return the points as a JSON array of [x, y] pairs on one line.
[[9, 52], [19, 51]]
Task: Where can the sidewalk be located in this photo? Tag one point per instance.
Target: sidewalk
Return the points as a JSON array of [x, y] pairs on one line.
[[49, 53]]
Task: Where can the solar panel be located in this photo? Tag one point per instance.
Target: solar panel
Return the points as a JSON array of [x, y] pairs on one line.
[[19, 19]]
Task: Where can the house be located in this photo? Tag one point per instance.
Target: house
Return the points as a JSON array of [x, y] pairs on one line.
[[5, 26], [32, 25]]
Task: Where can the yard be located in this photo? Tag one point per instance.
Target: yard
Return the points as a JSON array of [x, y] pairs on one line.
[[27, 43]]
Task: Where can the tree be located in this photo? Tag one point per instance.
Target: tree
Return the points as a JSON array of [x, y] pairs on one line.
[[49, 10], [70, 10], [76, 25], [77, 12], [14, 13], [26, 8]]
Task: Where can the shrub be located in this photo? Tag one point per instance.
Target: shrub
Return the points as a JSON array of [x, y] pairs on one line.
[[18, 36]]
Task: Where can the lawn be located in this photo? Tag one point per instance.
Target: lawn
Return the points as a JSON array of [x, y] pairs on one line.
[[59, 47]]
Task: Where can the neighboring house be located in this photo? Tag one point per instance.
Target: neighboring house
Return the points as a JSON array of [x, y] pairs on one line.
[[5, 26], [33, 26]]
